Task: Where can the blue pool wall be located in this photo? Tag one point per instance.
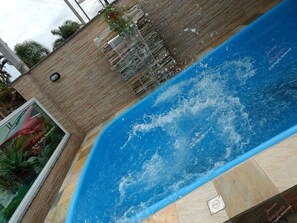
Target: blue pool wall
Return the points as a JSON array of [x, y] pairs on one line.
[[186, 190]]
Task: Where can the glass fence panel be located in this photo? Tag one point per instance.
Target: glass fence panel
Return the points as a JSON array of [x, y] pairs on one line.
[[27, 141]]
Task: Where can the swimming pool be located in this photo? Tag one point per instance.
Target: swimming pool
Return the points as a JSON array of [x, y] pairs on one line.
[[235, 102]]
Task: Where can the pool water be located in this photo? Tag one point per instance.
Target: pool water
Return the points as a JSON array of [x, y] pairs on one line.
[[232, 104]]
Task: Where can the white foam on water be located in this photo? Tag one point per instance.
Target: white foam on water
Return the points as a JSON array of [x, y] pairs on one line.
[[171, 92], [148, 177], [243, 68], [199, 136], [124, 182], [206, 99], [136, 209]]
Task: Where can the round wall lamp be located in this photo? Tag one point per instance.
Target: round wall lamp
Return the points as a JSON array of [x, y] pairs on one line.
[[55, 76]]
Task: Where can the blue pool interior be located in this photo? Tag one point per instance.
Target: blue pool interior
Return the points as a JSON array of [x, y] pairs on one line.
[[235, 102]]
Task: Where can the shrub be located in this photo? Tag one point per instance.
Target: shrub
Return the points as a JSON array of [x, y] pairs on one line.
[[10, 209]]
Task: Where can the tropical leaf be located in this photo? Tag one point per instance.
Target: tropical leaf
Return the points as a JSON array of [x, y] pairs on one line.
[[57, 43], [66, 30], [4, 75], [56, 32]]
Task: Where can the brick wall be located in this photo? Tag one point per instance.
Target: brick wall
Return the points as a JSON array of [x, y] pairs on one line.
[[90, 92]]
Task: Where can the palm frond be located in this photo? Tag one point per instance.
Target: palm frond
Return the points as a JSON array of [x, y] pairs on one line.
[[56, 32], [67, 29], [57, 43]]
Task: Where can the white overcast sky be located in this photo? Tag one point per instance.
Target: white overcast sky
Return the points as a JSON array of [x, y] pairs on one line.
[[22, 20]]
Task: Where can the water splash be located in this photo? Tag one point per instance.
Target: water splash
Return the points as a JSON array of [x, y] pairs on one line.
[[171, 92], [243, 69], [204, 100]]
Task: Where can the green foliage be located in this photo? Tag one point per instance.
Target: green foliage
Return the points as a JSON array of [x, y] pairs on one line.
[[50, 143], [18, 165], [64, 32], [10, 99], [8, 184], [10, 209], [14, 165], [38, 162], [31, 52], [4, 75], [2, 219], [19, 168], [5, 93], [21, 141], [113, 16]]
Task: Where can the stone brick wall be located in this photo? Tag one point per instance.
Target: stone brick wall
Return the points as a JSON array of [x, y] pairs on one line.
[[30, 87], [89, 92]]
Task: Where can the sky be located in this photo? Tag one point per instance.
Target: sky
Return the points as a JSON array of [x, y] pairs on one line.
[[22, 20]]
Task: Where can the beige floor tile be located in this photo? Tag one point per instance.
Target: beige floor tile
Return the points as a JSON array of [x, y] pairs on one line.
[[166, 215], [121, 111], [50, 216], [79, 165], [73, 177], [75, 160], [126, 107], [68, 193], [244, 187], [70, 172], [94, 131], [86, 152], [61, 211], [193, 207], [88, 144], [91, 140], [107, 121], [69, 178], [65, 182], [280, 163]]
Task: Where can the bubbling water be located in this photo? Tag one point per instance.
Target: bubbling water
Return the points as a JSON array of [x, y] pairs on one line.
[[201, 108]]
